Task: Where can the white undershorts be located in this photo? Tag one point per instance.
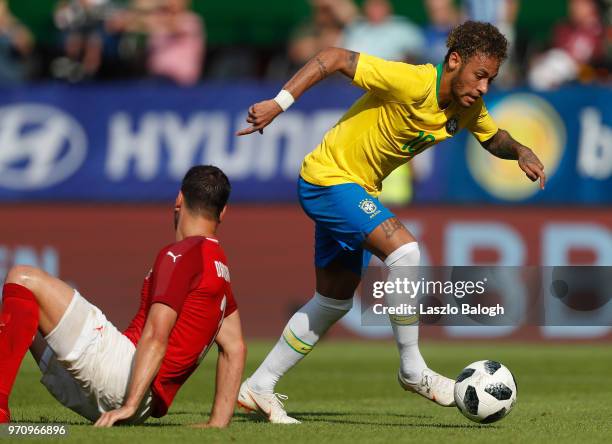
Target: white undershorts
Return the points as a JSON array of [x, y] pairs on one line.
[[88, 363]]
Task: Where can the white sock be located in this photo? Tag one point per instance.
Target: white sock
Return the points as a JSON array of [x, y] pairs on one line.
[[405, 328], [301, 333]]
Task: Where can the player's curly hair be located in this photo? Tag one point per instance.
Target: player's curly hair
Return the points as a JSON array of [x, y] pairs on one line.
[[206, 190], [472, 38]]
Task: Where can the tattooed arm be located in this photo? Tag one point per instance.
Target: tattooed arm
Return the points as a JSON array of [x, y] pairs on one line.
[[324, 64], [502, 145]]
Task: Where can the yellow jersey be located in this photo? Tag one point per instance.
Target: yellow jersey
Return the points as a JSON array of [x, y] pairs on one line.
[[396, 119]]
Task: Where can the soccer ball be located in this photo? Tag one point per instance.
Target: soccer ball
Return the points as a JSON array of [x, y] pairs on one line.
[[485, 391]]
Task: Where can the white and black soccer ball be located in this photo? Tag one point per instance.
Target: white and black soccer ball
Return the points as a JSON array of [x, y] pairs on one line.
[[485, 391]]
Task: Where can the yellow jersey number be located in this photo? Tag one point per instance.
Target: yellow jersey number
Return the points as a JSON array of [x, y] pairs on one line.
[[419, 143]]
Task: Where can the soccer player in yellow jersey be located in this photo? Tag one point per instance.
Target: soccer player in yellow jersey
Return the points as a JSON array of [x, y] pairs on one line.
[[405, 110]]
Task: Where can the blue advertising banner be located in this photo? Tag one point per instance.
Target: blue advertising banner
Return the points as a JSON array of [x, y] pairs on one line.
[[571, 132], [134, 142]]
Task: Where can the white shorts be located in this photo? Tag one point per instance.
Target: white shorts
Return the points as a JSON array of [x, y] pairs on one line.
[[88, 363]]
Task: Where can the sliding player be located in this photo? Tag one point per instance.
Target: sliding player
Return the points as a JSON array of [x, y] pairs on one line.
[[186, 305], [405, 110]]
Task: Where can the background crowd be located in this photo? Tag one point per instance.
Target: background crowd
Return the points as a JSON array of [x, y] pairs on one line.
[[167, 41]]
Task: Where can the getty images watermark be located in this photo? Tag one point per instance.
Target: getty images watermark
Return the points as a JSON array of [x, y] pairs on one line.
[[562, 296], [408, 289]]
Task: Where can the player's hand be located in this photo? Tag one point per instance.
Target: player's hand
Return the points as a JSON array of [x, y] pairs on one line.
[[531, 165], [109, 418], [261, 115]]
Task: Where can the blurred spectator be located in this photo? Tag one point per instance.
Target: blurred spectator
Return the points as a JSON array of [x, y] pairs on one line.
[[502, 14], [442, 19], [384, 35], [127, 29], [15, 45], [80, 22], [172, 35], [176, 43], [582, 35], [578, 44], [324, 29]]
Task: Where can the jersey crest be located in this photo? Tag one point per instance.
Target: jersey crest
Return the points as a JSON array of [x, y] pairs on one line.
[[452, 125], [369, 207]]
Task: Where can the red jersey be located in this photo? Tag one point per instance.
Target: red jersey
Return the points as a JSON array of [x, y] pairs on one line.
[[192, 278]]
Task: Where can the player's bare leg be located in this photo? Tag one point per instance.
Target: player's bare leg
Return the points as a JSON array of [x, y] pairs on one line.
[[52, 295], [397, 247], [332, 300], [336, 281], [31, 300]]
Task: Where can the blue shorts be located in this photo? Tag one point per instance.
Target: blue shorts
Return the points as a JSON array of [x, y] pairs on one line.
[[344, 216]]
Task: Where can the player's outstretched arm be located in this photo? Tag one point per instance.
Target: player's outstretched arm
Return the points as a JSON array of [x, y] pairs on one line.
[[230, 364], [324, 64], [149, 355], [502, 145]]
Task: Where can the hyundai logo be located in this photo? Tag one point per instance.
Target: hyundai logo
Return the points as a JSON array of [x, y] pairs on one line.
[[40, 146]]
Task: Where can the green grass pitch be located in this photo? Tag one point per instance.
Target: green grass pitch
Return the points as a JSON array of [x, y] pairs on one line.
[[346, 392]]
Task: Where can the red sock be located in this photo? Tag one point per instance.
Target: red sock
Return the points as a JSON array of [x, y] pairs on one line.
[[18, 324]]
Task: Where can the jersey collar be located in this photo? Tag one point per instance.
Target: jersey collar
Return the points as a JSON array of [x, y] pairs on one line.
[[439, 71]]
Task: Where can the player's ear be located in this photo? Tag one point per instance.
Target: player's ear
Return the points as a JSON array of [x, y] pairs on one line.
[[454, 61], [178, 203], [222, 214]]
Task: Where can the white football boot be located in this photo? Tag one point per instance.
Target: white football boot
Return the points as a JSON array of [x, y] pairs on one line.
[[432, 386], [269, 405]]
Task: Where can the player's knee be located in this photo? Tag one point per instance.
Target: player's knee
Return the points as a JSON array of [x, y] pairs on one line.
[[407, 254], [25, 275]]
